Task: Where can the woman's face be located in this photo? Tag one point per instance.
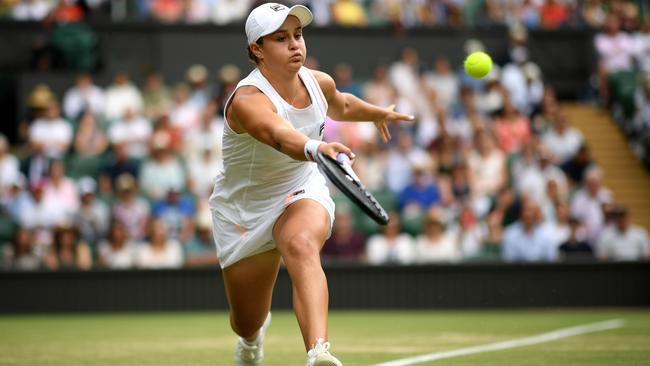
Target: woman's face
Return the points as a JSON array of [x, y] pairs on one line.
[[284, 48]]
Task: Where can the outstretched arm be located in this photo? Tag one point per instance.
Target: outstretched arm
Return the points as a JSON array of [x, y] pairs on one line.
[[252, 112], [347, 107]]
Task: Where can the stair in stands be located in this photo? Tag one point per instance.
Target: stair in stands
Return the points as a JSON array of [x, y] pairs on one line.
[[624, 173]]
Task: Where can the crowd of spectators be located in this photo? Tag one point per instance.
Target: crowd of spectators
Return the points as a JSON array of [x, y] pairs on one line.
[[533, 14], [624, 77], [119, 175], [492, 170]]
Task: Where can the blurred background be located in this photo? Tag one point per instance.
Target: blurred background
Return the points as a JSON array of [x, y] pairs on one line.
[[112, 117], [529, 188]]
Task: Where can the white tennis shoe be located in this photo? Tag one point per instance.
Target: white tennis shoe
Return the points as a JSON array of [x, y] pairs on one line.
[[319, 355], [252, 354]]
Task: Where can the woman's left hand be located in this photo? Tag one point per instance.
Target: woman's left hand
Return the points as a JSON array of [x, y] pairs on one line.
[[390, 115]]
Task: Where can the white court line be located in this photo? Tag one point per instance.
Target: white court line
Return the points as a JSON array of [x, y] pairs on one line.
[[521, 342]]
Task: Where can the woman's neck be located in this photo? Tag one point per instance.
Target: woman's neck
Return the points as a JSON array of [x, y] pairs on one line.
[[287, 84]]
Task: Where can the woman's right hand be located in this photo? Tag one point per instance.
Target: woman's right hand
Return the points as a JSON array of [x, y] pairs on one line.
[[332, 149]]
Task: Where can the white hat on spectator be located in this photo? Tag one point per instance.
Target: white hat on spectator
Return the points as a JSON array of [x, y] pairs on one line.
[[473, 45], [267, 18], [87, 185], [532, 71]]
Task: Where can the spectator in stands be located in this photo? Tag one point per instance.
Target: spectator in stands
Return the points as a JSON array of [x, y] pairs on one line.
[[9, 166], [167, 11], [16, 199], [443, 82], [404, 76], [642, 101], [371, 164], [177, 212], [93, 217], [164, 127], [119, 163], [554, 14], [349, 13], [470, 233], [576, 249], [464, 119], [61, 190], [132, 131], [198, 11], [419, 195], [623, 241], [526, 172], [162, 171], [84, 97], [67, 251], [31, 10], [588, 201], [615, 51], [90, 141], [561, 139], [23, 256], [511, 128], [129, 209], [491, 101], [594, 13], [401, 160], [379, 90], [199, 252], [160, 251], [344, 80], [199, 89], [487, 165], [52, 132], [391, 246], [117, 251], [528, 239], [436, 244], [575, 168], [185, 114], [121, 97], [527, 13], [207, 133], [156, 96], [202, 171], [230, 11], [642, 47], [345, 243]]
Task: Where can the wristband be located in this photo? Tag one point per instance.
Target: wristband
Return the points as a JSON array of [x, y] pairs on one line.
[[311, 149]]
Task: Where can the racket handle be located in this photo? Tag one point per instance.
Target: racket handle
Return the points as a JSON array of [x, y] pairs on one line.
[[347, 165], [343, 158]]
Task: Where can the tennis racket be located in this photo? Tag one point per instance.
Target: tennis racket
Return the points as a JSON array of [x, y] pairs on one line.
[[340, 173]]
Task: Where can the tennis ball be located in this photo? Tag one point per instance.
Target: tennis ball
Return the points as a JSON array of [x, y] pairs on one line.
[[478, 64]]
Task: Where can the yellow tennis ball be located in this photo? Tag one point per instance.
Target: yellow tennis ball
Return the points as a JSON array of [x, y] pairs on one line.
[[478, 64]]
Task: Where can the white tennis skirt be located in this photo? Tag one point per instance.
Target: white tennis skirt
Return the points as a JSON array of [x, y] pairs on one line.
[[235, 242]]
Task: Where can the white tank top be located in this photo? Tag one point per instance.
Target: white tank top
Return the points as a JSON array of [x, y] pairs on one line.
[[255, 177]]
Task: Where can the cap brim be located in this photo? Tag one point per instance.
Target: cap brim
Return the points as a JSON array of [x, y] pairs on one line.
[[301, 12]]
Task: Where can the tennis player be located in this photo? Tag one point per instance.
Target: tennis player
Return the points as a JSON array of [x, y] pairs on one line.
[[270, 201]]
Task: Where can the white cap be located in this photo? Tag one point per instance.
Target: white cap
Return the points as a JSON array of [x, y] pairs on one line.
[[267, 18]]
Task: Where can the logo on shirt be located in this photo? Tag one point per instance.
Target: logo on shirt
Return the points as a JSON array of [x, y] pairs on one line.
[[277, 7], [322, 127]]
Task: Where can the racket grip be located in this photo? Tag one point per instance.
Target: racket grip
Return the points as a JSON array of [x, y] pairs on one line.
[[343, 158]]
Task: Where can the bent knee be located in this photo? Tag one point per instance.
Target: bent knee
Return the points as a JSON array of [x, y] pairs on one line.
[[302, 248], [245, 326]]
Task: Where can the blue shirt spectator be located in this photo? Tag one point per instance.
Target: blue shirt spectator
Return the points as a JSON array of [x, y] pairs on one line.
[[527, 240], [177, 212], [422, 192]]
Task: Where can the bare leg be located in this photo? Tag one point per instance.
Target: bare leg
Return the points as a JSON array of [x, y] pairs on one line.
[[249, 285], [300, 233]]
